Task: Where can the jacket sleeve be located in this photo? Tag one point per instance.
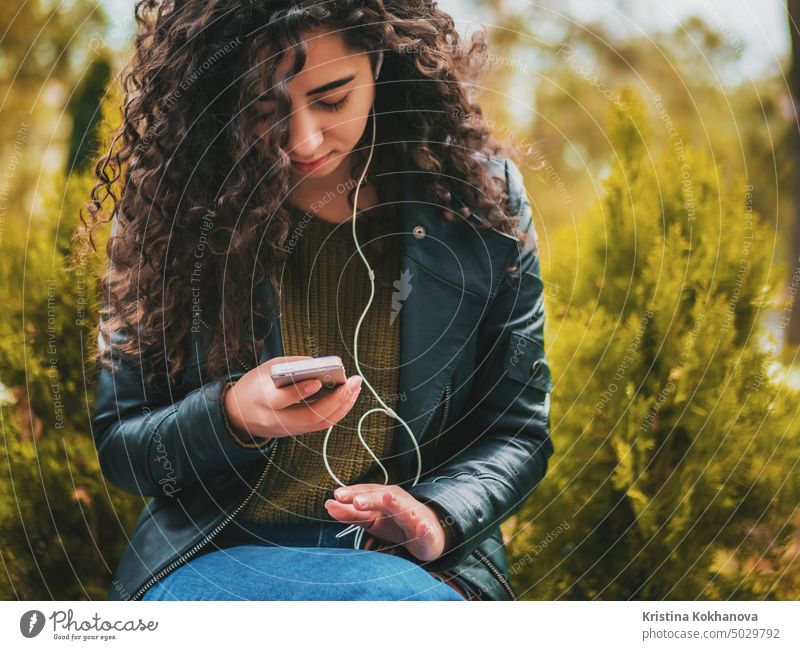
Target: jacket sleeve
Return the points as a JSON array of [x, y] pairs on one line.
[[508, 420], [154, 442]]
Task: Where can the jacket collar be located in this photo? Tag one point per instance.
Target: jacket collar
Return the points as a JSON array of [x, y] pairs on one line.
[[453, 272]]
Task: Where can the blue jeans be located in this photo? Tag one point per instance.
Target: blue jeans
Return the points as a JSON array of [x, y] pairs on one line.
[[299, 562]]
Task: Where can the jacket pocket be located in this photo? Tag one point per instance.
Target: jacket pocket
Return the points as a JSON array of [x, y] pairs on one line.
[[525, 361]]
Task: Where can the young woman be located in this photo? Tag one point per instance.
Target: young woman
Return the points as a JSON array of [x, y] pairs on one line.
[[290, 174]]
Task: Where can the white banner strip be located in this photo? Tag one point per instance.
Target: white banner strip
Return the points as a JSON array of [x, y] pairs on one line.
[[400, 625]]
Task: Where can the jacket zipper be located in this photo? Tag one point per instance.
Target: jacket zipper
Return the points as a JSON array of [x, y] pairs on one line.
[[192, 551], [496, 572], [445, 411]]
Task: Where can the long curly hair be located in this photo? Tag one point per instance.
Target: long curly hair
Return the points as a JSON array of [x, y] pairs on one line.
[[197, 202]]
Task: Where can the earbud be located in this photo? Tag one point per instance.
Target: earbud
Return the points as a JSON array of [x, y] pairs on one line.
[[378, 65]]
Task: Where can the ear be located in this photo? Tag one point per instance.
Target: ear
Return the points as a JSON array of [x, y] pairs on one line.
[[378, 65]]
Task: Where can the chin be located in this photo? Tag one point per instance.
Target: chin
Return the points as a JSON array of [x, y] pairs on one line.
[[326, 170]]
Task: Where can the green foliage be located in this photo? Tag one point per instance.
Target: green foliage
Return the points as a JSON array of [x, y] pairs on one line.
[[83, 108], [575, 67], [62, 525], [49, 313], [674, 468], [673, 476]]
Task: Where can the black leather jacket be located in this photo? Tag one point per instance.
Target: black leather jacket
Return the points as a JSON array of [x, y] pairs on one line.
[[476, 386]]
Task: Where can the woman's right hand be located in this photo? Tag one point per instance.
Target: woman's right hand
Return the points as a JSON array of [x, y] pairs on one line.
[[257, 408]]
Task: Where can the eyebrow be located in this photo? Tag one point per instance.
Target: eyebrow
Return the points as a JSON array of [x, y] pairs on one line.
[[331, 85]]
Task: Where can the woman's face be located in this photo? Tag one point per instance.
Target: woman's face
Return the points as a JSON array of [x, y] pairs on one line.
[[330, 103]]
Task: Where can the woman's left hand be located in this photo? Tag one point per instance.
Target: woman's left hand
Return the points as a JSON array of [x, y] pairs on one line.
[[391, 513]]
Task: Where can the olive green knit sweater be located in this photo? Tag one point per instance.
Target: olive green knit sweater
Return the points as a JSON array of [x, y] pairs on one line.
[[324, 289]]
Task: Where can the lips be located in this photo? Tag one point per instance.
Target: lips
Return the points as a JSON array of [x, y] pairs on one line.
[[310, 167]]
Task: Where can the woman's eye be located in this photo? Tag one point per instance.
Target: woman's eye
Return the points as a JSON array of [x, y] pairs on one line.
[[336, 106]]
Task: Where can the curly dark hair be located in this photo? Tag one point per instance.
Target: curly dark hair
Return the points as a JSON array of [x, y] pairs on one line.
[[184, 167]]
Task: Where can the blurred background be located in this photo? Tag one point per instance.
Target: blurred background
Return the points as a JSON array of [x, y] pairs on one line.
[[660, 148]]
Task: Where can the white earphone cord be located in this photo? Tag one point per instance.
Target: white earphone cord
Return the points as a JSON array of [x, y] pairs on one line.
[[385, 409]]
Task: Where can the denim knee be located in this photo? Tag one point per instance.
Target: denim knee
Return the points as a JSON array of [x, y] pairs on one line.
[[312, 573]]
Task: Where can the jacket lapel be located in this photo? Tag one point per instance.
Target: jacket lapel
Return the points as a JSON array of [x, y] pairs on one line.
[[453, 270]]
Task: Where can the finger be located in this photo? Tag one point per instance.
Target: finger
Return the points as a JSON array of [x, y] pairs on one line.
[[347, 493], [328, 410], [400, 507], [351, 393], [282, 398], [385, 499], [330, 402], [374, 522], [349, 515]]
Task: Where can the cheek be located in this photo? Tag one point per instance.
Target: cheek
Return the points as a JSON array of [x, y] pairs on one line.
[[352, 122]]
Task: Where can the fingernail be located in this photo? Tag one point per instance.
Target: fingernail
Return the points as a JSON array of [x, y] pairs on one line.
[[311, 388], [340, 494], [360, 502], [355, 383]]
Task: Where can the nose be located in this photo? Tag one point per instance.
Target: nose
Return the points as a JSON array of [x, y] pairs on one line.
[[305, 135]]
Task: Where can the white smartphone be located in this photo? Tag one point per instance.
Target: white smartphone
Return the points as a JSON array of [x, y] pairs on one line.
[[329, 370]]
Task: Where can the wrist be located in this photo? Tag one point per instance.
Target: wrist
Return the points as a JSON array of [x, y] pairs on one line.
[[237, 432], [446, 524], [230, 421]]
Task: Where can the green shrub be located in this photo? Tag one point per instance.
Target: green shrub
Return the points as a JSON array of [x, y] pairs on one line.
[[62, 525], [673, 476]]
